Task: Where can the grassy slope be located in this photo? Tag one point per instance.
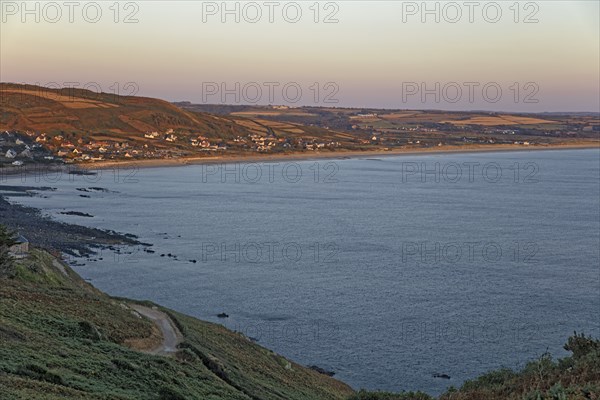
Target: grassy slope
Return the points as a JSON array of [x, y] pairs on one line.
[[62, 339], [570, 378]]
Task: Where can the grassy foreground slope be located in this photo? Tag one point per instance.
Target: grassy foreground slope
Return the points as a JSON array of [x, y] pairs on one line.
[[570, 378], [62, 339]]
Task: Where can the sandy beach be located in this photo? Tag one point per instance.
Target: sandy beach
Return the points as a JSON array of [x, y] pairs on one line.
[[235, 158]]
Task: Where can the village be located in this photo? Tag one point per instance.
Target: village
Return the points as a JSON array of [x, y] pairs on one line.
[[21, 148], [354, 130], [18, 149]]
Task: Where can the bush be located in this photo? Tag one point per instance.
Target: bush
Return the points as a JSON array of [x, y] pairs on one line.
[[90, 331], [581, 345], [169, 394], [364, 395], [40, 373], [7, 262]]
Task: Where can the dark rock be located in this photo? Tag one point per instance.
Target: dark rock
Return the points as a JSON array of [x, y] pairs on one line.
[[321, 370], [77, 213]]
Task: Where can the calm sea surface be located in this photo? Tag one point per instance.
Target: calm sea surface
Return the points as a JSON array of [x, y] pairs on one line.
[[385, 270]]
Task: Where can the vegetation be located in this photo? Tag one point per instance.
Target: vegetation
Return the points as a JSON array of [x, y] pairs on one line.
[[571, 378], [60, 338], [6, 259], [364, 395]]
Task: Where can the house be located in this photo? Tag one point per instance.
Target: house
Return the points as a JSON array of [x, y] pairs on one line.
[[21, 247], [151, 135], [11, 153], [26, 154]]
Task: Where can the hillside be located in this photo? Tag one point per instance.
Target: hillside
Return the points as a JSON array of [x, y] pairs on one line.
[[70, 110], [48, 126], [79, 125], [62, 339]]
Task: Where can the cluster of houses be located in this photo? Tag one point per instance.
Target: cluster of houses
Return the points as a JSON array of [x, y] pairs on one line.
[[95, 150], [271, 142], [167, 136], [17, 149], [197, 141]]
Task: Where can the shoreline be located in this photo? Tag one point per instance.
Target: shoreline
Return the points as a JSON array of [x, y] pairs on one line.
[[230, 159], [48, 233]]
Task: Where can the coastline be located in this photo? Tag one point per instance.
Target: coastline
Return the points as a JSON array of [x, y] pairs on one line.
[[178, 162], [388, 153]]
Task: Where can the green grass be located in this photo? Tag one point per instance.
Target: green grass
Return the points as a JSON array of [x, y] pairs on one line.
[[571, 378], [62, 339], [364, 395]]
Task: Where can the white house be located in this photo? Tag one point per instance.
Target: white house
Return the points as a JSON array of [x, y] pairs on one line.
[[11, 153]]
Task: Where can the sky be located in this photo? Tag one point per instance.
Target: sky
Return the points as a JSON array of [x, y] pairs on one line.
[[480, 55]]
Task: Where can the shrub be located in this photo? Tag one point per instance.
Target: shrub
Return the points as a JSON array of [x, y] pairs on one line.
[[167, 393], [581, 345], [7, 262], [364, 395], [40, 373]]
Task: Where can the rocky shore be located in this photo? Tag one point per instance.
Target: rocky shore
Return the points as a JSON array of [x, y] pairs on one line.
[[54, 236]]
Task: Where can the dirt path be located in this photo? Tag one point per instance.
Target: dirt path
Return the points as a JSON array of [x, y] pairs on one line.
[[171, 335]]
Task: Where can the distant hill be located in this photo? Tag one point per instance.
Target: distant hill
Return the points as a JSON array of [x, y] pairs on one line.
[[107, 116], [35, 108], [82, 126]]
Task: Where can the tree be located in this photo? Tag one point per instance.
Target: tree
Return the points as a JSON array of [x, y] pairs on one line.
[[7, 239]]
